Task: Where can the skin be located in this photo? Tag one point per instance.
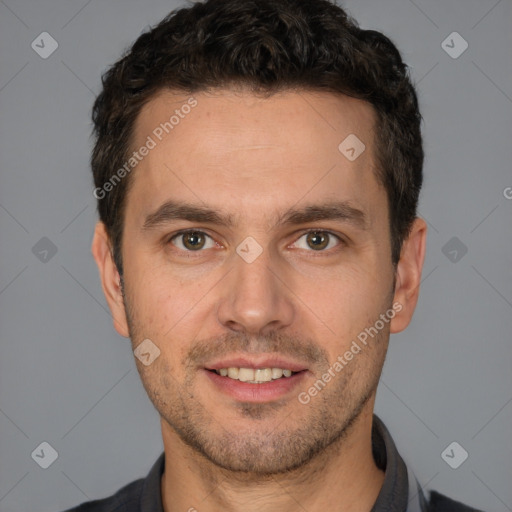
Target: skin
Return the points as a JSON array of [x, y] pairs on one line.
[[254, 158]]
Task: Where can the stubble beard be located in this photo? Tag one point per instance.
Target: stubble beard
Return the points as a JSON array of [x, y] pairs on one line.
[[280, 446]]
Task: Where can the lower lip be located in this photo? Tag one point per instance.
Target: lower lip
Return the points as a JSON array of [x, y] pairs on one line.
[[247, 392]]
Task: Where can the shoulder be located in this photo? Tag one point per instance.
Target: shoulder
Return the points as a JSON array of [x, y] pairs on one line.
[[126, 499], [440, 503], [144, 493]]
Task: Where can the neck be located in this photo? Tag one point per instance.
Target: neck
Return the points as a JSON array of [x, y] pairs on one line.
[[344, 477]]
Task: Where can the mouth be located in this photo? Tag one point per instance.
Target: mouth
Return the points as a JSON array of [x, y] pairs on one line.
[[255, 375], [256, 381]]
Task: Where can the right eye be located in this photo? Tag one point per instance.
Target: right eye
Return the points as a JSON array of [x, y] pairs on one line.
[[192, 240]]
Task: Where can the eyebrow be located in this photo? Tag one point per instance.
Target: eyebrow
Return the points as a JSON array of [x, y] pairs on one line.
[[177, 210]]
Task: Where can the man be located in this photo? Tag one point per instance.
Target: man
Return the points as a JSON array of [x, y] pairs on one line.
[[257, 167]]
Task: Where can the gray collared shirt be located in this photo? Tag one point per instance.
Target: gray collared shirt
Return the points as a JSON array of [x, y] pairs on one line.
[[400, 491]]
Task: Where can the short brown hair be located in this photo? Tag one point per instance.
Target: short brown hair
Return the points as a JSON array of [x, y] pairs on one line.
[[268, 46]]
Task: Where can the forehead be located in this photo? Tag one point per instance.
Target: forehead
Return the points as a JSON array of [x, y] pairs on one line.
[[240, 116], [221, 146]]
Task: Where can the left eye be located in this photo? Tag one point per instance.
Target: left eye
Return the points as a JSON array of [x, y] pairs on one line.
[[317, 240], [192, 241]]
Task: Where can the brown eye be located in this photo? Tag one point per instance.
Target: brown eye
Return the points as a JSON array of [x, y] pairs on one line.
[[191, 241], [317, 240]]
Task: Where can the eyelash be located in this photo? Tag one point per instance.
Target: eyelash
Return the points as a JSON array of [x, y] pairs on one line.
[[312, 230]]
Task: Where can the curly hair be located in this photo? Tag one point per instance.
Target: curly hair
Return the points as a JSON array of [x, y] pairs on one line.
[[266, 46]]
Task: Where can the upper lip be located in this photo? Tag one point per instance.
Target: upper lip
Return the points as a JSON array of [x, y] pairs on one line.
[[264, 361]]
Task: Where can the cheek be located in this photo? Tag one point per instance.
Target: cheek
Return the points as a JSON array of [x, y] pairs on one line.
[[344, 301], [162, 292], [173, 311]]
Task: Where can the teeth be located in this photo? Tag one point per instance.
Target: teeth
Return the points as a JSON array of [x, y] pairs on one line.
[[232, 373], [245, 374], [277, 373], [254, 376], [263, 374]]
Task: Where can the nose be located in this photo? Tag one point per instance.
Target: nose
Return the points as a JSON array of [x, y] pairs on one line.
[[255, 299]]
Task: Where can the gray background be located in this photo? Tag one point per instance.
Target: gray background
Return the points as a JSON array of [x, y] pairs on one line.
[[67, 378]]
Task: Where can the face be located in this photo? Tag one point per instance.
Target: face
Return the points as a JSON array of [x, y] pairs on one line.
[[251, 241]]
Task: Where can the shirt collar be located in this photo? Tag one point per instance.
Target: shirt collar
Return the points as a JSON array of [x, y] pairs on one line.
[[151, 496], [394, 493]]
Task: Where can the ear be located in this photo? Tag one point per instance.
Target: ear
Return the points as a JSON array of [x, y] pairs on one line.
[[408, 275], [110, 278]]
